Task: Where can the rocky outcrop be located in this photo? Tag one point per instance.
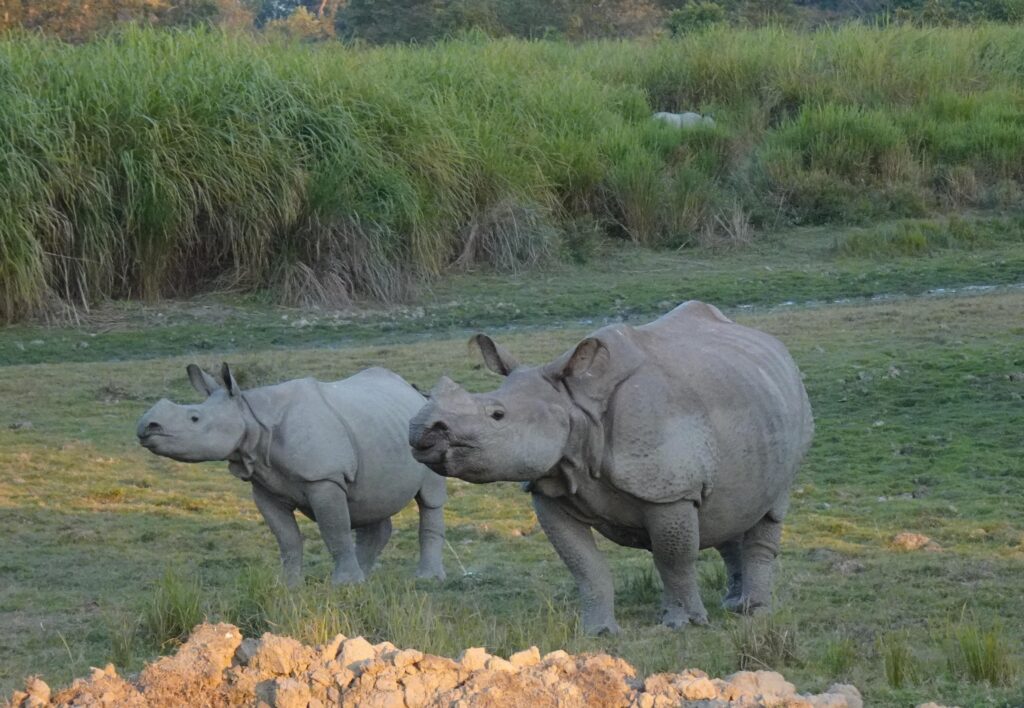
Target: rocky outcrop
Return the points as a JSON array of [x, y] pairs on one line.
[[217, 667]]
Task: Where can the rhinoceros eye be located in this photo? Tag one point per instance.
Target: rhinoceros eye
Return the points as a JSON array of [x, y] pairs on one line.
[[194, 418], [498, 414]]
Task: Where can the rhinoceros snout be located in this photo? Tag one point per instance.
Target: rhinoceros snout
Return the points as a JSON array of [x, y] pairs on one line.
[[150, 428]]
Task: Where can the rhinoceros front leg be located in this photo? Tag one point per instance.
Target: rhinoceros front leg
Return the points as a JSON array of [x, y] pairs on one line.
[[330, 507], [574, 543], [675, 543], [370, 540], [732, 555], [280, 517], [430, 501]]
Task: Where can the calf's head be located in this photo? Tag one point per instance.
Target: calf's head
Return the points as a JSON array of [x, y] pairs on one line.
[[539, 419], [211, 430]]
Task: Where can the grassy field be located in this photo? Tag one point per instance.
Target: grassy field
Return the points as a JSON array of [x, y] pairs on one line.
[[153, 164], [919, 401]]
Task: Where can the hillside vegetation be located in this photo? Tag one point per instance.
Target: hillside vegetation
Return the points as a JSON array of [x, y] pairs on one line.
[[153, 163]]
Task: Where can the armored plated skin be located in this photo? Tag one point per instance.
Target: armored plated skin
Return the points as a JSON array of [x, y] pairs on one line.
[[681, 434], [335, 451]]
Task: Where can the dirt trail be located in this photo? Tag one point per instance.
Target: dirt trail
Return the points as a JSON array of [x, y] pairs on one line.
[[218, 667]]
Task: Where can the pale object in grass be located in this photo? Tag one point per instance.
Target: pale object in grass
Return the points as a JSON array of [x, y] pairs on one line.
[[334, 451], [678, 435], [689, 119]]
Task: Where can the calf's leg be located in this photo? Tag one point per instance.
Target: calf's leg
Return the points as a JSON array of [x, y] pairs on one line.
[[330, 507], [431, 564], [574, 542], [280, 517]]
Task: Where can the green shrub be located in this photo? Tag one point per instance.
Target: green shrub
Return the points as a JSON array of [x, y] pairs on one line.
[[694, 17]]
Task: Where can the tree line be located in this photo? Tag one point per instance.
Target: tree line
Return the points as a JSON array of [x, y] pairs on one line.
[[388, 21]]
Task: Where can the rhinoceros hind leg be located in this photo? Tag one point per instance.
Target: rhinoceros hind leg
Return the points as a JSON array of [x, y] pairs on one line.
[[431, 566], [330, 507], [675, 543], [760, 547], [732, 555], [574, 543], [370, 541]]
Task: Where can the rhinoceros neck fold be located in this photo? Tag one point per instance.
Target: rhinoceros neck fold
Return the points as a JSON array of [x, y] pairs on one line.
[[253, 451], [582, 455]]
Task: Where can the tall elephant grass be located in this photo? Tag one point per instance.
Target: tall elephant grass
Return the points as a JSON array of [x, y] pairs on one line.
[[149, 164]]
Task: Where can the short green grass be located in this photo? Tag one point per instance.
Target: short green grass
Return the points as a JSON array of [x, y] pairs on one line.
[[918, 402]]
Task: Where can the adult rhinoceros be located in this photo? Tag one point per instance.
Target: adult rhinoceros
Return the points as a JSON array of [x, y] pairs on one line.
[[682, 434], [335, 451]]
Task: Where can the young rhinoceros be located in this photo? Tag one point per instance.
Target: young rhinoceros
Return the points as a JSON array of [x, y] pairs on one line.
[[682, 434], [336, 451]]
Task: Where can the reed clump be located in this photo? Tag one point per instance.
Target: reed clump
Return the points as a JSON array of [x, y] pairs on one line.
[[153, 163]]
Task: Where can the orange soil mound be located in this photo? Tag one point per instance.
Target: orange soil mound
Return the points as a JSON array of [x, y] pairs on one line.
[[217, 667]]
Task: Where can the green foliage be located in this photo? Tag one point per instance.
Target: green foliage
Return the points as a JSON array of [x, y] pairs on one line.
[[900, 664], [694, 17], [978, 654], [839, 657], [914, 237], [763, 642], [150, 164], [171, 611]]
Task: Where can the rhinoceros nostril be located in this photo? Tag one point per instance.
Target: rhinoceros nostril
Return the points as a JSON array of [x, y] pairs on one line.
[[153, 428]]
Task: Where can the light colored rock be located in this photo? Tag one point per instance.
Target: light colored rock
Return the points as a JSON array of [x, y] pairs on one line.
[[757, 685], [474, 659], [246, 651], [329, 650], [910, 541], [848, 691], [280, 656], [496, 663], [699, 689], [526, 657], [38, 689], [355, 653], [285, 692], [406, 657]]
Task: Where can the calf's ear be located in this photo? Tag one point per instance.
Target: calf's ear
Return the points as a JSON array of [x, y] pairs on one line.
[[201, 381], [229, 380], [496, 357]]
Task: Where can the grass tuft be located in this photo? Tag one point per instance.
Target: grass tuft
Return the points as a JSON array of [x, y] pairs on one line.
[[979, 655], [173, 609], [763, 642]]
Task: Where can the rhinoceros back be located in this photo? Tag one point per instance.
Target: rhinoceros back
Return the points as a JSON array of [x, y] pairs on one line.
[[375, 407], [738, 395]]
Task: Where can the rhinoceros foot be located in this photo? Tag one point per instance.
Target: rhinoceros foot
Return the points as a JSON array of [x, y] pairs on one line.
[[679, 617], [345, 576]]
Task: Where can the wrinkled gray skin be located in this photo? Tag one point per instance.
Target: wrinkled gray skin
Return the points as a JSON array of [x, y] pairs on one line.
[[335, 451], [682, 434]]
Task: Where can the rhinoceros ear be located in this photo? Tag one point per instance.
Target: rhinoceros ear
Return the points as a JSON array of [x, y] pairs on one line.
[[229, 380], [596, 367], [201, 381], [496, 357]]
